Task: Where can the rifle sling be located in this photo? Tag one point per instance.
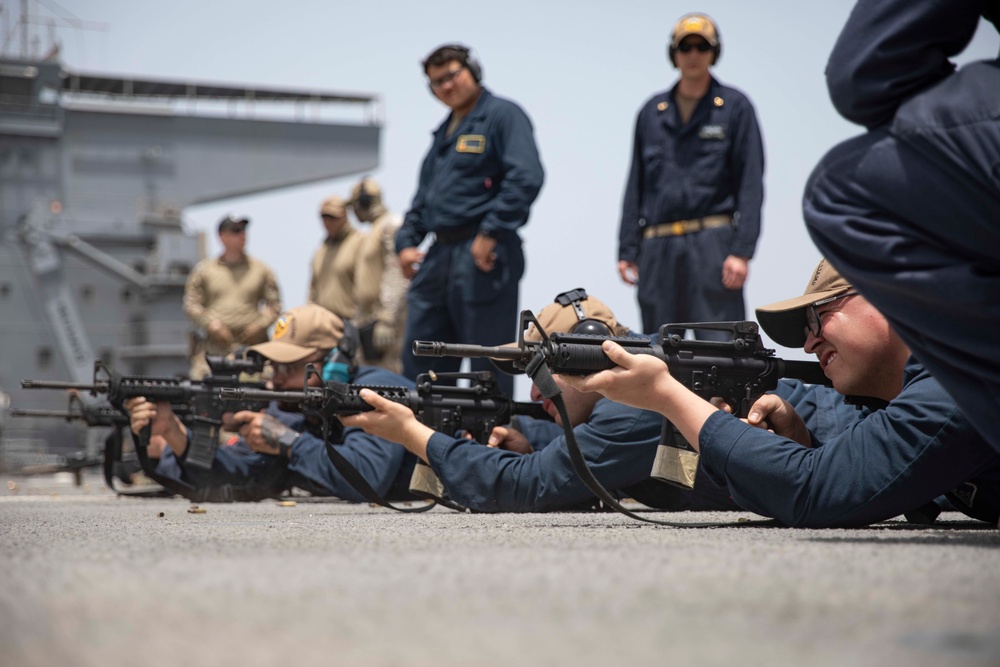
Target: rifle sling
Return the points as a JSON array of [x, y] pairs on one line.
[[361, 485], [542, 377]]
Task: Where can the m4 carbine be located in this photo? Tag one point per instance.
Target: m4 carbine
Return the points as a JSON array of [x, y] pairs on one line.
[[447, 408], [737, 370], [200, 404], [92, 415], [475, 409]]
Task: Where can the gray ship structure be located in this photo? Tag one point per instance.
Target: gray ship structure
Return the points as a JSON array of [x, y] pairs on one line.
[[95, 173]]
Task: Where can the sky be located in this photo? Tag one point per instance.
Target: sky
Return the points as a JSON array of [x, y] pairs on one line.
[[581, 69]]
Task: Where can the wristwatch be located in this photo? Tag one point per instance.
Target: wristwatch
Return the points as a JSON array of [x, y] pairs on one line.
[[285, 442]]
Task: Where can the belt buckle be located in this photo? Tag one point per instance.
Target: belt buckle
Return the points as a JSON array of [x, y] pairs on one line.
[[677, 228]]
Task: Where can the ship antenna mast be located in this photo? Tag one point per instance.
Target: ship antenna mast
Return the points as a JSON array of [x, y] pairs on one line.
[[60, 17]]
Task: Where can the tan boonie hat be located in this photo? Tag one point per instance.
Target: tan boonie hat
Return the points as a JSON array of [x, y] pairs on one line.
[[300, 332], [694, 24], [785, 321], [567, 310], [334, 206]]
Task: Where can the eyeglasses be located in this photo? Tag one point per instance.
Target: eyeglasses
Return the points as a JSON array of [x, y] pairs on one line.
[[703, 47], [814, 318], [295, 368], [445, 78]]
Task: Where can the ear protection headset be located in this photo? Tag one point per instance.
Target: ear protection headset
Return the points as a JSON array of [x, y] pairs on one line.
[[584, 325], [339, 363], [469, 60], [717, 49]]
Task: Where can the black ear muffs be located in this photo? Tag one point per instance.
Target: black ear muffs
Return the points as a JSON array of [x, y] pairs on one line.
[[584, 325], [475, 69], [592, 327], [671, 51], [469, 60]]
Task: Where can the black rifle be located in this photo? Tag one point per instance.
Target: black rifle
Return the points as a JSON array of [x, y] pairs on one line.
[[200, 404], [738, 370], [98, 416], [475, 409], [449, 409]]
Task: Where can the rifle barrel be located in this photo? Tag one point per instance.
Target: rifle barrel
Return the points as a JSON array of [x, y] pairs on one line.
[[241, 394], [60, 384], [809, 372], [533, 410], [426, 348], [65, 414]]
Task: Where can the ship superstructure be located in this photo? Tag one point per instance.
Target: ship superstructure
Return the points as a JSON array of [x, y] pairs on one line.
[[95, 173]]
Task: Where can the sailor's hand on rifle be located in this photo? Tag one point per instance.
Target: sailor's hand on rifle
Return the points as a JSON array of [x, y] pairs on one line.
[[391, 421], [262, 432], [777, 415], [644, 381], [166, 427], [505, 437], [639, 380]]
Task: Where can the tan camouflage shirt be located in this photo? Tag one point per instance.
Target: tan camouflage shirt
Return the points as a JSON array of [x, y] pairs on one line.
[[381, 287], [237, 294], [334, 266]]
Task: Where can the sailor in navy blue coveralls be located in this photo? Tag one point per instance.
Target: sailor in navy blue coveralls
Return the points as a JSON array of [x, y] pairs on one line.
[[910, 445], [910, 211], [693, 198], [477, 183], [385, 465], [894, 459], [278, 449], [619, 444]]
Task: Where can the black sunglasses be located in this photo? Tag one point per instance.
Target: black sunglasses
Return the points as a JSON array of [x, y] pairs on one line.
[[685, 47]]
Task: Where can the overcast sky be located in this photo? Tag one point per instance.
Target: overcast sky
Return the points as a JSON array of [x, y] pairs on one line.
[[581, 69]]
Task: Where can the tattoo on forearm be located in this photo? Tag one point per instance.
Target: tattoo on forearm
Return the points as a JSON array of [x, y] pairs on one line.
[[272, 430]]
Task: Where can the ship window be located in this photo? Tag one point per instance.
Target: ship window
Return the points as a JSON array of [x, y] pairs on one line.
[[44, 360], [87, 292], [126, 295], [4, 290]]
